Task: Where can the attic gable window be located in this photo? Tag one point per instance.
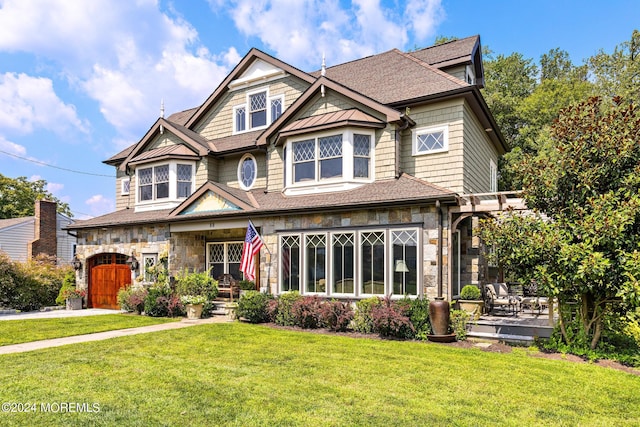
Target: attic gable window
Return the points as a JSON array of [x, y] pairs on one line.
[[257, 112], [430, 140]]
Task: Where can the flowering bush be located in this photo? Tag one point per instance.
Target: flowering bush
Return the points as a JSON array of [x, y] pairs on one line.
[[72, 292], [390, 320], [306, 312], [132, 298], [336, 315], [161, 302], [193, 299]]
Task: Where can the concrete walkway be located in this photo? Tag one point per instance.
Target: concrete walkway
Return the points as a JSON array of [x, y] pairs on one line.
[[55, 314], [57, 342]]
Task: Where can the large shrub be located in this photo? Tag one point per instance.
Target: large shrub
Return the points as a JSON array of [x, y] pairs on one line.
[[390, 319], [458, 320], [31, 285], [281, 312], [69, 282], [306, 312], [192, 283], [132, 298], [336, 315], [253, 306], [419, 317], [161, 302], [362, 319]]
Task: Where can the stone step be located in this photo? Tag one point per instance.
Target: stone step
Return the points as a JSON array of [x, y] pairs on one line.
[[512, 330], [508, 338]]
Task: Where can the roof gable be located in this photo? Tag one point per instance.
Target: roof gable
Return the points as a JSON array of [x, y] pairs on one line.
[[254, 63], [211, 197], [320, 87]]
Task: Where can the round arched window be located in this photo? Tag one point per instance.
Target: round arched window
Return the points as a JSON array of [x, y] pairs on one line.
[[247, 171]]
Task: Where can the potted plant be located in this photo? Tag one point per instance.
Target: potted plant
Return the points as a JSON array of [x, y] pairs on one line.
[[73, 298], [193, 304], [470, 301]]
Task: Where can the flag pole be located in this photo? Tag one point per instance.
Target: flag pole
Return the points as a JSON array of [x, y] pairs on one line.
[[264, 245]]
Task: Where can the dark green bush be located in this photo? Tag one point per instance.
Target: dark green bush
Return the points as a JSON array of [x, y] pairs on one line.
[[282, 312], [470, 292], [362, 319], [419, 317], [192, 283], [253, 307], [69, 282]]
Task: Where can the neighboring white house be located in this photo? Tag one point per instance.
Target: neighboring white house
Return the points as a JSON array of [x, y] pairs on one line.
[[16, 234]]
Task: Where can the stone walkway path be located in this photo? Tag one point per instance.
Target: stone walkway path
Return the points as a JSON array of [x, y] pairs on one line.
[[37, 345]]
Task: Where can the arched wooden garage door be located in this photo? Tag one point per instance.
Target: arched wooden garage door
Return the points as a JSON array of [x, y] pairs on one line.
[[108, 273]]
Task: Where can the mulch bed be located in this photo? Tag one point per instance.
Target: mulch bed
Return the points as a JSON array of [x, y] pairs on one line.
[[494, 347]]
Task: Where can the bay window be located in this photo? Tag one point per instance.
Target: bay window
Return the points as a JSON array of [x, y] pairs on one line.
[[164, 182]]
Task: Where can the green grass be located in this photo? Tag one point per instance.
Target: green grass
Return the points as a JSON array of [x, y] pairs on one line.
[[21, 331], [236, 374]]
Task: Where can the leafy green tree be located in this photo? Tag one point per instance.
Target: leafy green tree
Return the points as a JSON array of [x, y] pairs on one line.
[[18, 197], [586, 247], [618, 73]]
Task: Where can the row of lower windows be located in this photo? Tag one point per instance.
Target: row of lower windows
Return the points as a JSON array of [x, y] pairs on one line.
[[351, 263]]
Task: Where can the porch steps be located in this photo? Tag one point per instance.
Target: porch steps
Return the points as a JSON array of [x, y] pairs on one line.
[[518, 331]]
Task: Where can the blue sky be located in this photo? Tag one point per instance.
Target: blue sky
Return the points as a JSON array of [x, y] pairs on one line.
[[82, 80]]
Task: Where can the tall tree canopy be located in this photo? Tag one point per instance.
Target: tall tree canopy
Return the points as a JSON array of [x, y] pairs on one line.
[[586, 248], [18, 197]]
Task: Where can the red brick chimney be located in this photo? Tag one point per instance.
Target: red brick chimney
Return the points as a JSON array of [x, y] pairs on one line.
[[46, 239]]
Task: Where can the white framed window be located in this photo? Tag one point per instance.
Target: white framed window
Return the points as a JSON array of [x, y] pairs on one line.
[[352, 263], [125, 185], [247, 171], [330, 159], [165, 182], [258, 111], [224, 258], [493, 176], [434, 139], [149, 262]]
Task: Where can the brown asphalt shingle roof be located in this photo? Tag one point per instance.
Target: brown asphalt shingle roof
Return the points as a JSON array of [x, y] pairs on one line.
[[10, 222], [402, 191], [447, 54], [180, 151]]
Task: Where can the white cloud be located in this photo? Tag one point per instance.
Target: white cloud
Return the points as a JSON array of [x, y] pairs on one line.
[[300, 31], [12, 147], [126, 55], [53, 187], [30, 102], [99, 205]]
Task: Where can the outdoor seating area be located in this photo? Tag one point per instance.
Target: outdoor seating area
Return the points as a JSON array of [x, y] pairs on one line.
[[512, 299]]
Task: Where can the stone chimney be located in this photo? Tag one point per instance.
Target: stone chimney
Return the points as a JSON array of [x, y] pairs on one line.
[[46, 238]]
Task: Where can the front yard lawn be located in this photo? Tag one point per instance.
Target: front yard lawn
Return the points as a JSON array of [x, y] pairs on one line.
[[21, 331], [236, 374]]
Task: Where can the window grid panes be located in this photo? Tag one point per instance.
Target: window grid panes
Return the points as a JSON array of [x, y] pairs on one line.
[[224, 258], [184, 180], [290, 264], [258, 109], [248, 172], [149, 262], [330, 156], [431, 141], [240, 119], [304, 155], [276, 109], [161, 174], [145, 184], [316, 263], [372, 269], [405, 262], [361, 155], [343, 263]]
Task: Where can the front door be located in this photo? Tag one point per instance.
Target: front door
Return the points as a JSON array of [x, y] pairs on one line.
[[109, 273]]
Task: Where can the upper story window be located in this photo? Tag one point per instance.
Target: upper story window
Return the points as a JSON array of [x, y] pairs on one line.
[[247, 172], [258, 111], [125, 185], [330, 159], [430, 140], [164, 182]]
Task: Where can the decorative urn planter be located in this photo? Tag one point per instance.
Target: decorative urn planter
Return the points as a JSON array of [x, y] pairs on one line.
[[74, 303], [230, 310], [194, 311], [439, 316]]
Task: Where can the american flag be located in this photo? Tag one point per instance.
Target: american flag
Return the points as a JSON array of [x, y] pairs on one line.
[[252, 245]]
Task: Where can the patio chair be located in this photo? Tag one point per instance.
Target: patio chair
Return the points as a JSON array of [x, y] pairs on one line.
[[497, 295]]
